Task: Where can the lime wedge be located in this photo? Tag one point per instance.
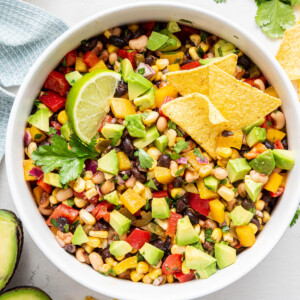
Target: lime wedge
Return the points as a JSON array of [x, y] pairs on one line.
[[88, 102]]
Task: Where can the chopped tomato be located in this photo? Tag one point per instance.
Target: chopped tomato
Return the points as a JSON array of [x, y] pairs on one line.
[[267, 123], [129, 55], [191, 65], [172, 224], [56, 125], [101, 210], [79, 195], [251, 80], [160, 194], [94, 200], [53, 100], [278, 145], [205, 56], [185, 277], [90, 58], [106, 120], [278, 193], [63, 211], [45, 186], [198, 204], [172, 264], [170, 188], [69, 59], [238, 246], [57, 82], [138, 238], [166, 100]]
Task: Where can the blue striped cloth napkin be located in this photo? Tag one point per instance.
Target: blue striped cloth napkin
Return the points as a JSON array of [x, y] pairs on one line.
[[25, 32]]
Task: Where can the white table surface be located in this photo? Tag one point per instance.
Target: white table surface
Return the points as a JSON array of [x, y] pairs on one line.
[[276, 278]]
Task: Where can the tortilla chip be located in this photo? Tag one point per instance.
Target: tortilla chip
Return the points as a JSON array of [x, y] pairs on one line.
[[196, 80], [196, 115], [288, 54], [240, 103]]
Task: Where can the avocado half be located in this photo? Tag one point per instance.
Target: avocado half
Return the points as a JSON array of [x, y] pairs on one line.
[[11, 237], [25, 293]]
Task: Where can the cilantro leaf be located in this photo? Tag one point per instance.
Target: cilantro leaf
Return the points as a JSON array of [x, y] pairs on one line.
[[274, 17], [171, 125], [199, 154], [151, 184], [295, 218], [173, 156], [181, 145], [81, 149], [145, 159], [180, 171]]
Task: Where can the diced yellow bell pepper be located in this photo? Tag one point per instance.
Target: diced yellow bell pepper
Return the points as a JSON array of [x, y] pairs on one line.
[[62, 117], [204, 192], [80, 66], [124, 265], [246, 235], [273, 183], [162, 93], [234, 141], [271, 91], [284, 179], [163, 175], [112, 49], [27, 166], [37, 134], [192, 159], [174, 68], [124, 161], [122, 107], [173, 57], [217, 210], [132, 201], [273, 135], [98, 66]]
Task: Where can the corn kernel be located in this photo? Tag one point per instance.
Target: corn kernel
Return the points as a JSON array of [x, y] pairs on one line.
[[222, 162], [177, 192], [94, 242], [202, 237], [162, 63], [260, 204], [155, 273], [204, 46], [89, 249], [235, 154], [217, 235], [158, 76], [138, 187], [253, 226], [184, 268], [193, 53], [107, 33], [224, 152], [133, 27], [62, 117], [89, 184], [226, 193], [110, 261], [80, 203], [88, 175], [196, 39], [205, 171], [91, 193], [53, 200], [119, 258], [171, 135], [177, 249], [112, 49], [227, 237], [79, 185], [102, 234], [155, 68], [147, 279], [135, 276], [154, 153], [170, 278], [227, 218], [266, 217], [133, 251], [142, 267]]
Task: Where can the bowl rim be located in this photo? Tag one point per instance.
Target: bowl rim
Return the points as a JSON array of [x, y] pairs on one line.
[[113, 290]]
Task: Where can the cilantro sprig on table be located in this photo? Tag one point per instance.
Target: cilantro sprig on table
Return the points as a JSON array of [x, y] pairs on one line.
[[70, 163]]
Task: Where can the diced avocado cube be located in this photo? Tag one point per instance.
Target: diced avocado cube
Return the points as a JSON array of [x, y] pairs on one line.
[[252, 188], [152, 254], [160, 208], [137, 85], [185, 233], [206, 272], [72, 77], [223, 48], [79, 236], [113, 132], [225, 255], [126, 68], [264, 163], [196, 259], [237, 169], [173, 27], [198, 245], [161, 143], [52, 179], [135, 126], [151, 135], [256, 135], [112, 198], [66, 131], [211, 182], [109, 163], [284, 159], [119, 223], [156, 40], [206, 61], [40, 119], [172, 43], [42, 105], [119, 248], [240, 216], [145, 101], [257, 123]]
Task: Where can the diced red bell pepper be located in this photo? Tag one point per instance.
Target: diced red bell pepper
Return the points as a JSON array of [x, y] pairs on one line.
[[102, 210], [186, 32], [63, 211], [191, 65], [68, 70], [185, 277], [69, 59], [53, 100], [90, 58], [129, 55], [172, 224], [57, 82], [278, 193], [94, 200], [166, 100], [106, 120], [172, 264], [160, 194], [138, 238], [45, 186], [205, 56], [267, 123], [79, 195], [278, 145], [251, 80], [238, 246], [56, 125], [198, 204], [170, 188]]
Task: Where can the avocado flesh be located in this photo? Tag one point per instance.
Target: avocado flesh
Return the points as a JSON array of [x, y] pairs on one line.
[[152, 254], [225, 255], [160, 208], [196, 259], [161, 143], [52, 179], [137, 85], [112, 198], [252, 188], [73, 77], [66, 131], [109, 163], [257, 123], [25, 293], [185, 233], [240, 216], [40, 119], [211, 182], [126, 68], [113, 132], [151, 135], [256, 135], [207, 272], [119, 223], [237, 169], [135, 126], [145, 101], [119, 248], [79, 236], [263, 163], [11, 237], [284, 159]]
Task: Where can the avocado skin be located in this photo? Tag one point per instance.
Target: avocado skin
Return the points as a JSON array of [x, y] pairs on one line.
[[18, 291]]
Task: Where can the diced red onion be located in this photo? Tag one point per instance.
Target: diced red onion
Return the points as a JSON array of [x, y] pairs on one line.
[[36, 172], [202, 161], [27, 138], [149, 72], [98, 190], [90, 208], [91, 165], [182, 160]]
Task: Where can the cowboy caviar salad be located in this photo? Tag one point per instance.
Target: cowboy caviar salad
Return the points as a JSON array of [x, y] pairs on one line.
[[156, 152]]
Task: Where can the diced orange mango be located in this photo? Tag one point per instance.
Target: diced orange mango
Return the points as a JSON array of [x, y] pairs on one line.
[[124, 161], [124, 265], [246, 235], [122, 107], [217, 210], [271, 91], [162, 93], [273, 135], [273, 183], [163, 175], [234, 141], [204, 192], [27, 166], [173, 57], [37, 192], [284, 179], [174, 67], [98, 66], [192, 159], [80, 66], [37, 134], [132, 201]]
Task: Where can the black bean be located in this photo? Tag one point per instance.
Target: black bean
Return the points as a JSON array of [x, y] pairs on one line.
[[268, 144], [157, 83], [208, 245], [164, 161], [62, 222], [266, 196], [127, 146], [127, 35], [164, 246], [138, 175], [117, 41], [101, 225], [284, 142], [138, 33], [177, 181], [150, 60], [247, 204], [187, 62], [109, 66], [255, 222], [88, 45], [246, 74], [226, 133], [192, 216], [182, 204], [121, 89], [245, 62], [70, 248], [106, 253], [124, 173], [244, 149]]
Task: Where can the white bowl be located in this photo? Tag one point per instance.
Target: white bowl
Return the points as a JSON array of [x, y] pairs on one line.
[[31, 86]]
